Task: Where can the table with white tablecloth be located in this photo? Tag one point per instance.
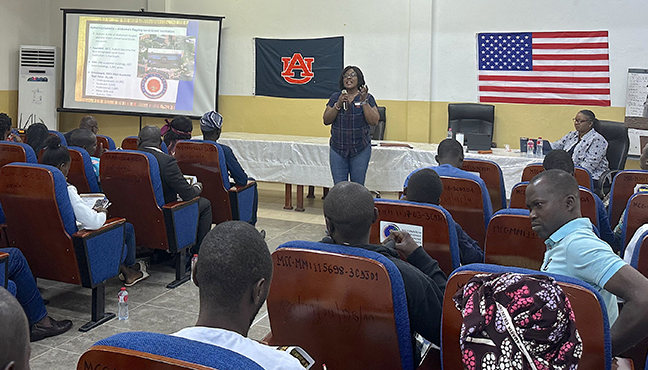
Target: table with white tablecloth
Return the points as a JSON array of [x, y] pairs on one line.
[[304, 160]]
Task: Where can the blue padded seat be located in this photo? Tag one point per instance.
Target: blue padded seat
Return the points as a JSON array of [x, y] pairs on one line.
[[29, 151], [111, 142], [88, 169], [181, 349], [60, 135]]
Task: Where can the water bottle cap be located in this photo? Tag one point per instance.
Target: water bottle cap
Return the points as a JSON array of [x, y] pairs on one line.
[[123, 288], [195, 255]]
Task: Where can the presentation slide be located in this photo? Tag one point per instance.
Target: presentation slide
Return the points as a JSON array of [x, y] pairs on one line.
[[140, 63]]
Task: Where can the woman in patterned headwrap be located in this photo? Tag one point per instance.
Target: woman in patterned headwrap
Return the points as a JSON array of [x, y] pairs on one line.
[[178, 129]]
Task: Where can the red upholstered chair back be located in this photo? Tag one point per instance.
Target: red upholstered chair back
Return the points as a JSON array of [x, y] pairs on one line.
[[29, 202], [126, 181], [622, 188], [582, 176], [11, 153], [491, 173], [129, 143], [77, 174], [589, 321], [200, 159], [518, 196], [531, 170], [510, 241], [436, 236], [463, 199], [637, 215], [102, 141], [107, 357]]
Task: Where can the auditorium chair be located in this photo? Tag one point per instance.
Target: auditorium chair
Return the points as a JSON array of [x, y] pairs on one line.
[[206, 160], [4, 274], [345, 306], [42, 224], [60, 135], [131, 181], [588, 306], [636, 215], [130, 143], [377, 132], [471, 118], [622, 189], [82, 174], [439, 233], [153, 351], [510, 241], [463, 199], [582, 175], [491, 173], [639, 260], [106, 142]]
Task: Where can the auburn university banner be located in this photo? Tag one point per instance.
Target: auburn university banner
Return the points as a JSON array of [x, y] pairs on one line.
[[298, 68]]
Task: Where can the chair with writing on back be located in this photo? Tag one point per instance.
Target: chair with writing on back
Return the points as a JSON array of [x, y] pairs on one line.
[[131, 181], [82, 174], [583, 177], [510, 241], [463, 199], [42, 223], [588, 306], [622, 189], [345, 306], [491, 173], [635, 216], [153, 351], [130, 143], [439, 235], [206, 160]]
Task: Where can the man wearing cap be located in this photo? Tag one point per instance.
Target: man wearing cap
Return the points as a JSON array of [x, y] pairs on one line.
[[210, 125]]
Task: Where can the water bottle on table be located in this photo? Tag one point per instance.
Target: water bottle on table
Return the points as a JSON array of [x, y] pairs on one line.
[[123, 303], [539, 145], [449, 136], [529, 152]]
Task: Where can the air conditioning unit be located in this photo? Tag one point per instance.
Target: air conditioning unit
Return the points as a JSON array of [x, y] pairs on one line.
[[37, 86]]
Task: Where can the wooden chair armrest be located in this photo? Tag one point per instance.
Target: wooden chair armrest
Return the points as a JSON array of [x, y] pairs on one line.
[[110, 224], [180, 204], [237, 189]]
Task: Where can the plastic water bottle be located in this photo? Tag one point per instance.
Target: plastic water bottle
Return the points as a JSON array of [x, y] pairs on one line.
[[539, 145], [194, 259], [123, 303], [529, 148], [449, 134]]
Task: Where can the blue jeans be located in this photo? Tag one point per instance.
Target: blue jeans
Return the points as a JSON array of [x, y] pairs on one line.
[[355, 166], [129, 240], [26, 290]]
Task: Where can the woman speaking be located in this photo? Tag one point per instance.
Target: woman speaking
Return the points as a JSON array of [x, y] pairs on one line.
[[350, 111]]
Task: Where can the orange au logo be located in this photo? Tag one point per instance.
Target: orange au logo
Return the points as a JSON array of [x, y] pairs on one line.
[[297, 61]]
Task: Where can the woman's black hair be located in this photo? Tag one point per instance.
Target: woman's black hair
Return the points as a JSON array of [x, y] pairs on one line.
[[180, 123], [37, 133], [590, 115], [55, 153], [361, 80]]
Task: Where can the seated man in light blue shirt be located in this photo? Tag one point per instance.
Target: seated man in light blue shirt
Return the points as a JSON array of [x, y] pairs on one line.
[[450, 158], [574, 250]]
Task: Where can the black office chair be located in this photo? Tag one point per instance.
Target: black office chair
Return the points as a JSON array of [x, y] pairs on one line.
[[471, 118], [377, 132], [616, 134]]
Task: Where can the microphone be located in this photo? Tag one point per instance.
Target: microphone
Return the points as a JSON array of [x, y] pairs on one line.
[[344, 104]]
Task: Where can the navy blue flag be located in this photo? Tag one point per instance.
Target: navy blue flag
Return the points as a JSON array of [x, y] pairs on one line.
[[298, 68]]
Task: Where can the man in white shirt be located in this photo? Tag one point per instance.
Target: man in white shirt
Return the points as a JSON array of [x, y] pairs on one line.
[[233, 275]]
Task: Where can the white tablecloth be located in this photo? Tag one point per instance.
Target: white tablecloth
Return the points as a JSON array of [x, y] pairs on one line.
[[304, 160]]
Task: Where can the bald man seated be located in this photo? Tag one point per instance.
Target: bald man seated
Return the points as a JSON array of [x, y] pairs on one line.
[[349, 212], [233, 276], [14, 340], [173, 181], [574, 250]]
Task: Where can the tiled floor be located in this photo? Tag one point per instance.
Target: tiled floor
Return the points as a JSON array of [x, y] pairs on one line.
[[152, 306]]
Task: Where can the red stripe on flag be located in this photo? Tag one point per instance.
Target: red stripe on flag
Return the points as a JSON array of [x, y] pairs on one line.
[[570, 57], [555, 90], [571, 68], [495, 99], [580, 45], [570, 34], [546, 79]]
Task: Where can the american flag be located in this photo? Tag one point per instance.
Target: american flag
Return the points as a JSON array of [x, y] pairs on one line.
[[544, 68]]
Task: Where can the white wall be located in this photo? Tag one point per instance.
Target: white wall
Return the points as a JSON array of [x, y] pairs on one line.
[[24, 22]]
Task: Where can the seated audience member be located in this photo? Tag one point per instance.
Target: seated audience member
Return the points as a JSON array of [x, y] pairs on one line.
[[87, 123], [349, 212], [173, 182], [88, 218], [559, 159], [425, 187], [178, 129], [486, 342], [88, 141], [6, 134], [37, 133], [450, 158], [233, 276], [574, 250], [643, 164], [14, 342], [41, 325], [210, 125]]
